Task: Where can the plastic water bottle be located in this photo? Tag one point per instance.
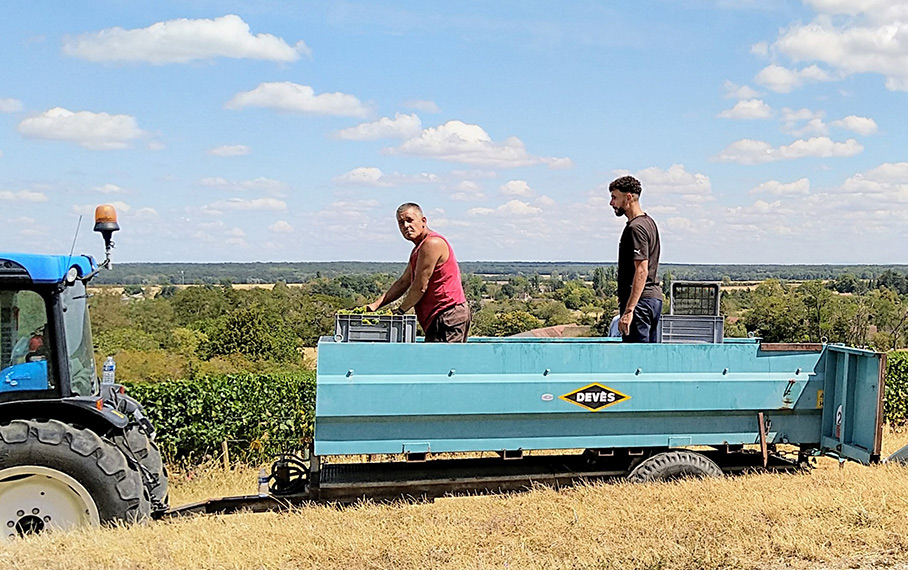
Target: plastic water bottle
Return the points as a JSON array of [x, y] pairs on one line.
[[109, 372]]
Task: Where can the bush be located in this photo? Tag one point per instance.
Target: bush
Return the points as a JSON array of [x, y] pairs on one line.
[[258, 415], [895, 409]]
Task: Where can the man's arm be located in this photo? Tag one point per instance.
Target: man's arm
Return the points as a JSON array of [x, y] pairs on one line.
[[430, 254], [393, 293], [641, 269]]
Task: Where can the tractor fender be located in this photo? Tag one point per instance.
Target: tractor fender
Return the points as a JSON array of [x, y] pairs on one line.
[[79, 411]]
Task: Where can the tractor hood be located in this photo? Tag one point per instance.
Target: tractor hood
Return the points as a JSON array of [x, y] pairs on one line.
[[42, 268]]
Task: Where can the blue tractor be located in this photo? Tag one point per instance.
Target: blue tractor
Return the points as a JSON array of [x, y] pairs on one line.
[[73, 451]]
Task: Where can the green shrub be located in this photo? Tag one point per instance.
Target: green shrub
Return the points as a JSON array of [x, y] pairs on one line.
[[258, 415], [896, 407]]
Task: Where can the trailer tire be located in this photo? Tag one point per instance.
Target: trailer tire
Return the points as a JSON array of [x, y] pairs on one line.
[[136, 444], [70, 476], [671, 465]]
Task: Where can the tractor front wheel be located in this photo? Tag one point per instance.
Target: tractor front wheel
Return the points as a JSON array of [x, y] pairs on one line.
[[136, 444], [54, 475]]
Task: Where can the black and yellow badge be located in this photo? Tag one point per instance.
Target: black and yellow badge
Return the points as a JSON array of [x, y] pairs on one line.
[[595, 396]]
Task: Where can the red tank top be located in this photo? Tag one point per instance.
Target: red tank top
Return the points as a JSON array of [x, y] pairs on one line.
[[444, 289]]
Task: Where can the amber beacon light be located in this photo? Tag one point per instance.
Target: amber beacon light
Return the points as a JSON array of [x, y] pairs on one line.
[[106, 224]]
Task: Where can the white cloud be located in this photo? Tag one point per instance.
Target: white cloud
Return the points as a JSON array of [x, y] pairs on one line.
[[256, 184], [468, 190], [887, 184], [674, 180], [863, 37], [775, 188], [735, 91], [281, 227], [363, 176], [108, 189], [8, 105], [400, 127], [96, 131], [374, 177], [563, 163], [457, 141], [422, 105], [783, 80], [292, 97], [760, 49], [22, 196], [181, 41], [355, 205], [747, 109], [229, 150], [243, 205], [812, 122], [749, 151], [512, 208], [859, 125], [517, 188]]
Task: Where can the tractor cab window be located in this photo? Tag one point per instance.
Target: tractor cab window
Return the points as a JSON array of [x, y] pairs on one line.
[[83, 378], [24, 348]]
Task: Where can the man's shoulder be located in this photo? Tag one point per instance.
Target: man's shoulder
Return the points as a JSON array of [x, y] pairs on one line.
[[644, 222]]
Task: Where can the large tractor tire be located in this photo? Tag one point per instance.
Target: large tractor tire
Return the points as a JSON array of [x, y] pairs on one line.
[[136, 444], [672, 465], [54, 475]]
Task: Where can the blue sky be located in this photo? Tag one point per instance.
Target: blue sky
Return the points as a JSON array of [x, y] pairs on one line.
[[763, 132]]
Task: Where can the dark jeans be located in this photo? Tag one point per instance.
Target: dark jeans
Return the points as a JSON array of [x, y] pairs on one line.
[[646, 321], [450, 325]]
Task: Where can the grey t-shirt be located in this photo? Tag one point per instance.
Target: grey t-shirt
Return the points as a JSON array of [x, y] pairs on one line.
[[639, 241]]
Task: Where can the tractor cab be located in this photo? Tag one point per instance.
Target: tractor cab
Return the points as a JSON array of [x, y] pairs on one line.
[[45, 332]]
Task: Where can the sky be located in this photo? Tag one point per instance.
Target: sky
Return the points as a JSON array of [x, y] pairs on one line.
[[762, 131]]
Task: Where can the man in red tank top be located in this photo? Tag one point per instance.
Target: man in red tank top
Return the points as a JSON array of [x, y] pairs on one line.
[[431, 283]]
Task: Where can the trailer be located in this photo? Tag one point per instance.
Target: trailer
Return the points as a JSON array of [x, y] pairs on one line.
[[496, 414]]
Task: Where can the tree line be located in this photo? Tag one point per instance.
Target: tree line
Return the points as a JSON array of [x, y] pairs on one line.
[[173, 331], [302, 272]]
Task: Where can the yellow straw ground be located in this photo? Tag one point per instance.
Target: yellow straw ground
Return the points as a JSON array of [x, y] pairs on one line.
[[851, 517]]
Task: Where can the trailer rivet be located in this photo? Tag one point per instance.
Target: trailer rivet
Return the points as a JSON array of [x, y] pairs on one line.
[[637, 373], [349, 373], [10, 524], [20, 513], [451, 372], [36, 510], [798, 371], [724, 372], [546, 373]]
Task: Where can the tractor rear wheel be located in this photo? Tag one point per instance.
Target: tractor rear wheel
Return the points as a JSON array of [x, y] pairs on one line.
[[672, 465], [54, 475], [136, 444]]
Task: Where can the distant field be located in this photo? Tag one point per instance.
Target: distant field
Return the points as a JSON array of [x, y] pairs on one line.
[[853, 517]]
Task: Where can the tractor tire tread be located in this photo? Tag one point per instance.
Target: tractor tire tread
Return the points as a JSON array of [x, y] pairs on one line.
[[673, 465], [84, 455]]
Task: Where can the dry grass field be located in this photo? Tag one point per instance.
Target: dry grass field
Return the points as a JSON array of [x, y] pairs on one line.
[[851, 517]]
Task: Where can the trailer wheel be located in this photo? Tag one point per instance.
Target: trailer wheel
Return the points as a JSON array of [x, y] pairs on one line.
[[53, 475], [136, 444], [672, 465]]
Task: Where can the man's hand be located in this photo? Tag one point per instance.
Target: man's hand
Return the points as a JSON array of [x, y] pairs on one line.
[[624, 323]]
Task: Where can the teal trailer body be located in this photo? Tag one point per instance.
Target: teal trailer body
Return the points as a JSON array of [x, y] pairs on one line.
[[594, 393]]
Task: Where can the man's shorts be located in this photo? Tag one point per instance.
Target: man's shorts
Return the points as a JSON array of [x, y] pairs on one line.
[[645, 322], [450, 325]]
